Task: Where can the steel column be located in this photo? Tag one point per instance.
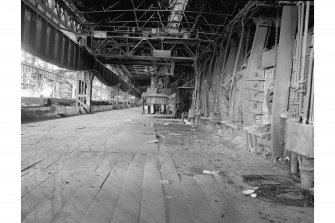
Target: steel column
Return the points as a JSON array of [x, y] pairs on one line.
[[282, 77]]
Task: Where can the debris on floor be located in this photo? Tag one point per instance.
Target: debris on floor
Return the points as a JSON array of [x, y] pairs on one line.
[[216, 172], [163, 182], [60, 115], [187, 122], [247, 192], [284, 160], [268, 155], [128, 120], [279, 190], [175, 166], [159, 136], [257, 180], [166, 123], [174, 134], [153, 141]]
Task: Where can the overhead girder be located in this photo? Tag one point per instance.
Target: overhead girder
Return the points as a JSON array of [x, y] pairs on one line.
[[43, 39], [120, 48], [58, 13], [124, 44], [178, 7]]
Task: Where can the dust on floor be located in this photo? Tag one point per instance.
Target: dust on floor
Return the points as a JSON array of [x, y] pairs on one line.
[[194, 150]]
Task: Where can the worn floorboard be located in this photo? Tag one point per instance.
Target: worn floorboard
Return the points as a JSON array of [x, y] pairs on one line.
[[129, 203], [56, 198], [175, 203], [106, 168], [223, 205], [152, 204], [103, 206], [77, 206], [199, 206]]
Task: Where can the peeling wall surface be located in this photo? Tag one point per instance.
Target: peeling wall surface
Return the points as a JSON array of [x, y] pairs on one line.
[[239, 78], [32, 114]]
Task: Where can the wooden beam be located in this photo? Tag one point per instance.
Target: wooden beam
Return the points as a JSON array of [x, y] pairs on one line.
[[283, 75]]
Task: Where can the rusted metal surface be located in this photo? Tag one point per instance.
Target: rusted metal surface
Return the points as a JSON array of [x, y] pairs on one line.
[[307, 172], [162, 53], [300, 139], [254, 76], [282, 77], [268, 58]]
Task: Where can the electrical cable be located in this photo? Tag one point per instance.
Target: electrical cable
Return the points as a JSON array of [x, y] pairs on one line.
[[257, 179], [279, 190]]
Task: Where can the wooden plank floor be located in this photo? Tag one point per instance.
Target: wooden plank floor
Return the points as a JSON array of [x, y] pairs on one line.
[[100, 168], [104, 168]]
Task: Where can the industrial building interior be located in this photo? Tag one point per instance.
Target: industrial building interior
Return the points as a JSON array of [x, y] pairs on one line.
[[167, 111]]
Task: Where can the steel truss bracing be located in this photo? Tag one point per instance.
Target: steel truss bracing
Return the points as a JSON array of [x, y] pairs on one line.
[[57, 13], [150, 49], [44, 39], [138, 38]]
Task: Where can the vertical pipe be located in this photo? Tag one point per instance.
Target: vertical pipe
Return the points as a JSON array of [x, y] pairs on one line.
[[304, 46], [301, 8], [309, 83], [297, 46], [311, 107]]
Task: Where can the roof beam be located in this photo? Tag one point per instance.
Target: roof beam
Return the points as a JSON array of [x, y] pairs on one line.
[[132, 2], [154, 10], [198, 16], [156, 21]]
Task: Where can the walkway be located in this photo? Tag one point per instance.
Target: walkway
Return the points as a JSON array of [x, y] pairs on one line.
[[105, 167]]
